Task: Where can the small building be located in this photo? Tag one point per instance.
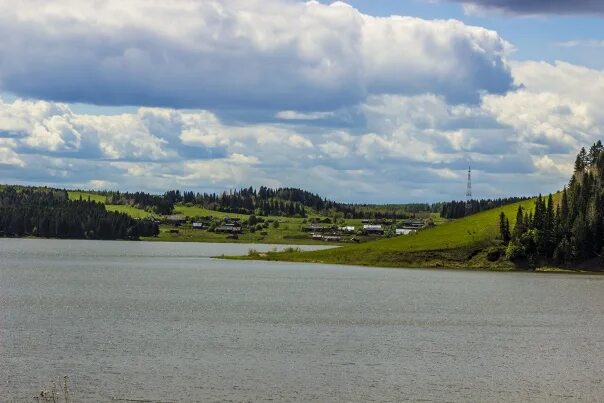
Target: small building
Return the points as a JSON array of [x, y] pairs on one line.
[[348, 229], [229, 229], [199, 225], [315, 228], [175, 219], [371, 229], [332, 238], [404, 231], [413, 224]]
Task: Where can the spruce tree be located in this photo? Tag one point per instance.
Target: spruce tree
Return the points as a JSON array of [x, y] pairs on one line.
[[581, 161], [504, 228], [549, 234], [519, 227]]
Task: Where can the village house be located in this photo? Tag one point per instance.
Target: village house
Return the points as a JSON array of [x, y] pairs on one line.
[[404, 231], [326, 238], [373, 229], [175, 220], [316, 228], [413, 224], [230, 228], [348, 229]]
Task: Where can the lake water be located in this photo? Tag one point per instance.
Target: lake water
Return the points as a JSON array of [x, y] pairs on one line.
[[163, 322]]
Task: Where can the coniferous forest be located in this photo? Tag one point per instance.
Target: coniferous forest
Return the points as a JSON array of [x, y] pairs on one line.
[[50, 214], [565, 230], [460, 209], [286, 202]]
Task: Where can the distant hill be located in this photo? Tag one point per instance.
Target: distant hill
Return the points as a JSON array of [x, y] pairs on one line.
[[285, 202]]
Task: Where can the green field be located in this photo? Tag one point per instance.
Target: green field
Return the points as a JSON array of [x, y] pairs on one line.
[[196, 211], [458, 243], [286, 234], [131, 211], [289, 230], [75, 195]]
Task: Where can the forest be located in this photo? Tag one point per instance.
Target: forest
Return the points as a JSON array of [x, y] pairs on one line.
[[460, 209], [286, 202], [49, 213], [565, 232]]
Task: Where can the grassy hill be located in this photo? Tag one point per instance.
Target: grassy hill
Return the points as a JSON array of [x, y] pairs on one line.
[[99, 198], [470, 242], [289, 230]]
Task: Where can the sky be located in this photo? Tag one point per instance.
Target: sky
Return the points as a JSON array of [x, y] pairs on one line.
[[383, 101]]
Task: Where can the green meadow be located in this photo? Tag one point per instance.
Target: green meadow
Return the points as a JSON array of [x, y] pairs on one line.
[[99, 198], [75, 195], [288, 231]]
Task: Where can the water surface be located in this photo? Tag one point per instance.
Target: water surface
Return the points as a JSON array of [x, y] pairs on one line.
[[163, 322]]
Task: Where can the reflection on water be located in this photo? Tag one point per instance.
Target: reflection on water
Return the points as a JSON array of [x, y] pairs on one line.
[[136, 320]]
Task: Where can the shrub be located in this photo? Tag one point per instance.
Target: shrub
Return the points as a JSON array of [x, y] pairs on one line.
[[494, 254], [515, 251]]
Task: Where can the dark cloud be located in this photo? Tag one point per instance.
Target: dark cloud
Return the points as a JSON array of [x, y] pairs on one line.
[[536, 7], [235, 54]]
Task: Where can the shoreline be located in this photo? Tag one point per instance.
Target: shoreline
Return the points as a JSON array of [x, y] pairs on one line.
[[506, 267], [272, 256], [185, 241]]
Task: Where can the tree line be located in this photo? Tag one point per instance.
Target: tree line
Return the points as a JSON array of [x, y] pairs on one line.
[[459, 209], [159, 204], [264, 201], [50, 214], [568, 231]]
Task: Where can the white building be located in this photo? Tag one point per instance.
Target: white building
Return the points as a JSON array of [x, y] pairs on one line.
[[347, 229]]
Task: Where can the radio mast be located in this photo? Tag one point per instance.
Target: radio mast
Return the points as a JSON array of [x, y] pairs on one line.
[[469, 189], [469, 192]]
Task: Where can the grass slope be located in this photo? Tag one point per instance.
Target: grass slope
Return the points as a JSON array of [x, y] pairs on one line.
[[286, 234], [73, 195], [196, 211], [131, 211], [459, 243]]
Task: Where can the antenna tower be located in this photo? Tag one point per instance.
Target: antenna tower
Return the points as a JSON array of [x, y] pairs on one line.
[[469, 192]]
